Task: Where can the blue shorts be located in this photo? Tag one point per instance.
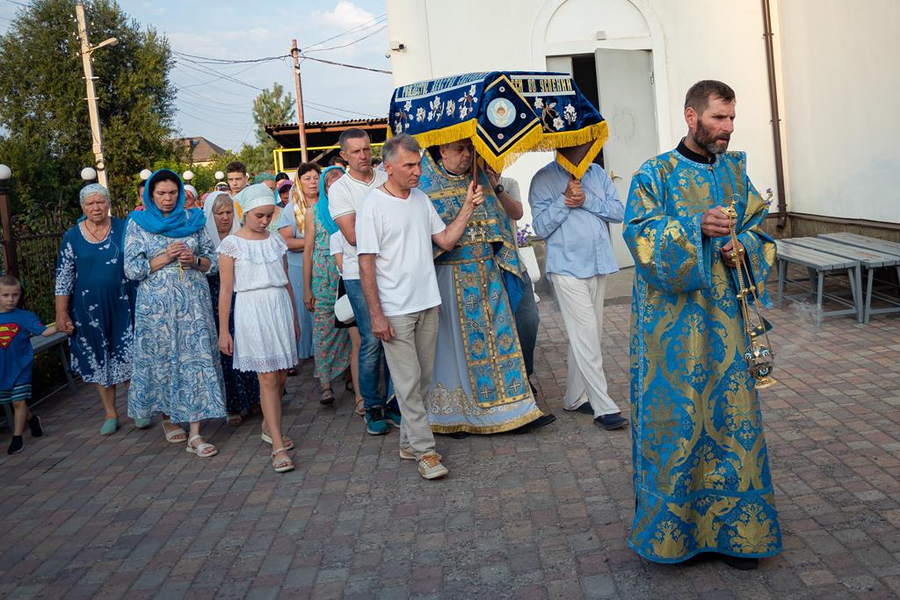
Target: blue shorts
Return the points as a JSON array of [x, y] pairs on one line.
[[19, 393]]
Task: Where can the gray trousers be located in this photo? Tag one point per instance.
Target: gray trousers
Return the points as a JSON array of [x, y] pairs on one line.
[[410, 358]]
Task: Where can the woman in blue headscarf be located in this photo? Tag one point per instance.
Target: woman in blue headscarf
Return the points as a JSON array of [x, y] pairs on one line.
[[176, 352], [320, 286]]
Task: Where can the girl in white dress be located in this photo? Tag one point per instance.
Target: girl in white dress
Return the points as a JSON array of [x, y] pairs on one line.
[[252, 262]]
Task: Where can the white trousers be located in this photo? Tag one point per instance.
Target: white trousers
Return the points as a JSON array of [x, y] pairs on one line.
[[581, 305]]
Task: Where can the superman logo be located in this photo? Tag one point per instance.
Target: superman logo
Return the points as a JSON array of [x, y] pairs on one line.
[[7, 332]]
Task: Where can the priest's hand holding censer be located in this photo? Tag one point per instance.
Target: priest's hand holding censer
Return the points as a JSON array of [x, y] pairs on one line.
[[759, 356]]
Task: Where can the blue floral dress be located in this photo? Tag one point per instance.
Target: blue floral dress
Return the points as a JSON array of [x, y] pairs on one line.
[[176, 350], [101, 304]]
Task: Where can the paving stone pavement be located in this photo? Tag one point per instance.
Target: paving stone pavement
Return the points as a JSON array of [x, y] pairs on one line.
[[533, 516]]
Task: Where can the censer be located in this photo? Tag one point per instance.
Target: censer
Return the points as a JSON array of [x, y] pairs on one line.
[[759, 356]]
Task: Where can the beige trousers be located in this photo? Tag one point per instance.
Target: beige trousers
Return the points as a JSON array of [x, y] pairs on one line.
[[410, 358], [581, 305]]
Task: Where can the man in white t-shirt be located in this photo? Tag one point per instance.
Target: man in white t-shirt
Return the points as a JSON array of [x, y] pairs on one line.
[[394, 233], [344, 199]]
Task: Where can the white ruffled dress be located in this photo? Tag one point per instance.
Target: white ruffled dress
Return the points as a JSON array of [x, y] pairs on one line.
[[263, 314]]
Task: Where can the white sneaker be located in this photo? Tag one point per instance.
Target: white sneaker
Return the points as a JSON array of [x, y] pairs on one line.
[[430, 467]]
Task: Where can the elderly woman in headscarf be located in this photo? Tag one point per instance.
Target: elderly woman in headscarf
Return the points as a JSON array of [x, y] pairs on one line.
[[176, 351], [304, 194], [190, 197], [241, 388], [320, 283], [95, 301]]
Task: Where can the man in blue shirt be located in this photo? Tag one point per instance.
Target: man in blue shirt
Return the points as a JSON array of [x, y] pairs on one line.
[[573, 216]]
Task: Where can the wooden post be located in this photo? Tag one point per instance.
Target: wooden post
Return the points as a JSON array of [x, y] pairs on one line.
[[10, 263], [301, 125], [93, 112]]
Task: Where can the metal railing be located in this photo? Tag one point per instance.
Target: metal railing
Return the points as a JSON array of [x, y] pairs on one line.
[[278, 153]]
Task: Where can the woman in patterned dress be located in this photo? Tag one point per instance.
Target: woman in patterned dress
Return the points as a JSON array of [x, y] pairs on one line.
[[176, 354], [290, 225], [95, 301], [241, 389], [320, 277]]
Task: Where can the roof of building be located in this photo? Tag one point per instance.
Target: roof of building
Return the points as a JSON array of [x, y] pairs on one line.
[[325, 132], [202, 150]]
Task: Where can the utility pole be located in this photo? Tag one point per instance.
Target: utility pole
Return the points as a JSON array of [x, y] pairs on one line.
[[93, 113], [295, 53]]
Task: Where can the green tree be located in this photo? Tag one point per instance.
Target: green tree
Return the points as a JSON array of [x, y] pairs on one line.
[[42, 105], [269, 108]]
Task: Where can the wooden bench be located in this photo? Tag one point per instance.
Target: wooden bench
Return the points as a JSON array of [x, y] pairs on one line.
[[40, 344], [869, 259], [884, 247], [818, 264]]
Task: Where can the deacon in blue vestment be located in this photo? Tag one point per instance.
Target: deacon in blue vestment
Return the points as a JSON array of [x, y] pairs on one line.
[[701, 470]]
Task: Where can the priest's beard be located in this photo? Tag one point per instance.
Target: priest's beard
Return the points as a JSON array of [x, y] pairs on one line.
[[706, 139]]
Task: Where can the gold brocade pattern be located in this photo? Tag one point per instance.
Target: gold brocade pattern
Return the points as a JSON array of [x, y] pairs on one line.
[[701, 473], [450, 403]]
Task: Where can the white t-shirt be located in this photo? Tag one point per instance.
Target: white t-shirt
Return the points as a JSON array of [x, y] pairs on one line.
[[344, 198], [336, 244], [398, 231]]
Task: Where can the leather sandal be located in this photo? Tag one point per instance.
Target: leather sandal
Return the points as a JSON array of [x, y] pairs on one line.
[[327, 396], [177, 435], [285, 464], [203, 449], [286, 441]]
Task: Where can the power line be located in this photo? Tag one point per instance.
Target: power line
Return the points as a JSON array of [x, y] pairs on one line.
[[228, 61], [359, 27], [348, 66], [210, 71], [356, 41], [224, 111], [212, 100], [327, 108]]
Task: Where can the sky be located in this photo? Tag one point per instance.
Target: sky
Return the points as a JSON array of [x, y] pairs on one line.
[[219, 109]]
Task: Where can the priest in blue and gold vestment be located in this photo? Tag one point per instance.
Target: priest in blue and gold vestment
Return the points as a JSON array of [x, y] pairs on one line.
[[701, 469], [480, 385]]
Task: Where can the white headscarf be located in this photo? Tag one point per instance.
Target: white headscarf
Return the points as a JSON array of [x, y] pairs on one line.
[[210, 219], [253, 196]]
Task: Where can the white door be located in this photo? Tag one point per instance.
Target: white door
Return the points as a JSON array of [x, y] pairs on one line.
[[625, 86]]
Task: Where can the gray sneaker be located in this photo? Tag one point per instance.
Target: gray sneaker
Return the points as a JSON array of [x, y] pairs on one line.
[[430, 467]]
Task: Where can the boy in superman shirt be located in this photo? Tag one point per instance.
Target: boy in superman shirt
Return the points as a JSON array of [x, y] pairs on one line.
[[17, 358]]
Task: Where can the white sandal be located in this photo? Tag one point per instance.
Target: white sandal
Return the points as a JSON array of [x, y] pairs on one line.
[[176, 435], [286, 441], [285, 465], [201, 449]]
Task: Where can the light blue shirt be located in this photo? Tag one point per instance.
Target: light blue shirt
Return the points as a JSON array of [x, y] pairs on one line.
[[578, 243], [287, 219]]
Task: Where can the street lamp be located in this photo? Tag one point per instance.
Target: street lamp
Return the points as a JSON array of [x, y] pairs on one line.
[[107, 42], [10, 264], [89, 174]]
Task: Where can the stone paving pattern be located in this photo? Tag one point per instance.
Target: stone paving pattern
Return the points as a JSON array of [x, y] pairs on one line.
[[535, 516]]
